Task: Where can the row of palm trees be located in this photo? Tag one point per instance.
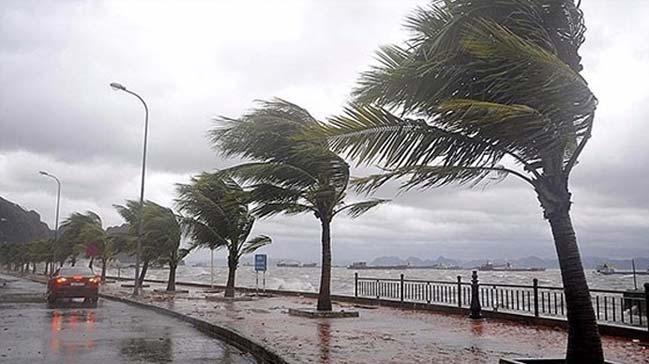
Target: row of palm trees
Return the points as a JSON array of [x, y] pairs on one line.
[[481, 91], [214, 214]]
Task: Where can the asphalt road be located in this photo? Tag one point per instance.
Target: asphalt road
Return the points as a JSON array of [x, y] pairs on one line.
[[112, 333]]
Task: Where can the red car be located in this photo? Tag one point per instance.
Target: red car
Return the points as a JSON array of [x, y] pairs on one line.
[[73, 282]]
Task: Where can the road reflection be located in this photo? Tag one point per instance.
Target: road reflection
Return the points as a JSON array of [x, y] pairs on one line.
[[324, 336], [71, 331], [476, 327]]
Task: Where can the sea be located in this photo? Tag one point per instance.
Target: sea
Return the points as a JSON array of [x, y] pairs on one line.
[[342, 279]]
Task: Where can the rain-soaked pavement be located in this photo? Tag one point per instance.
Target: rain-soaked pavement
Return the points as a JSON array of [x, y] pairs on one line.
[[111, 333], [381, 335]]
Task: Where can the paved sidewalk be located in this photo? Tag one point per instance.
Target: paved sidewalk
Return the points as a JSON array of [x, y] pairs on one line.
[[379, 335]]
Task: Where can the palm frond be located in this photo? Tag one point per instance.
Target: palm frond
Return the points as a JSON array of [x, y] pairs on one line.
[[370, 134], [426, 176], [255, 243], [359, 208], [283, 174], [269, 209]]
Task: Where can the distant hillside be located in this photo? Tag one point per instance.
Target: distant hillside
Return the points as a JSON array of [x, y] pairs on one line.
[[18, 225]]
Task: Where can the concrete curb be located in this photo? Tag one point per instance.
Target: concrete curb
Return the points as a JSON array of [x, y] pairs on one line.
[[260, 352]]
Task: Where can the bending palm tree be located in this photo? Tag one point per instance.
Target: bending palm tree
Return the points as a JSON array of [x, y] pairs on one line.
[[160, 236], [485, 89], [290, 174], [162, 227], [218, 217], [85, 231]]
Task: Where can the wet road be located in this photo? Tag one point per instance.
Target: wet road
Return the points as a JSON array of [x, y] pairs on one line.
[[111, 333]]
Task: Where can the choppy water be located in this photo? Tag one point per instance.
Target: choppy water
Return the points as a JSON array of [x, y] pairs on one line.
[[307, 279]]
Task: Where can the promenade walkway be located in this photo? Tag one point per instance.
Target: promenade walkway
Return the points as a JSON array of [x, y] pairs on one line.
[[379, 335]]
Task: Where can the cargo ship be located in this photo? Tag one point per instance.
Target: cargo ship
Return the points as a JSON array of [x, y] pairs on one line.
[[363, 265], [507, 267]]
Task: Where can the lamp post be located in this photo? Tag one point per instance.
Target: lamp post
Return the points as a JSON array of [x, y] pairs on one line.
[[136, 285], [56, 220]]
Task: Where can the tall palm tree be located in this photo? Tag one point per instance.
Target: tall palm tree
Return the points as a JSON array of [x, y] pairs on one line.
[[217, 217], [484, 89], [289, 172]]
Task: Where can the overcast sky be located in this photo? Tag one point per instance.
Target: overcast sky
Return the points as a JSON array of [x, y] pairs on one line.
[[194, 60]]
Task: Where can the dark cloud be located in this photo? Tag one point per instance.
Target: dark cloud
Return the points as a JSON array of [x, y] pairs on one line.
[[193, 61]]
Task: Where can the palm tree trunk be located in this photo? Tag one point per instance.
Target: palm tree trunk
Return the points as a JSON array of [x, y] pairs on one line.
[[103, 270], [324, 296], [232, 270], [171, 282], [145, 267], [584, 342]]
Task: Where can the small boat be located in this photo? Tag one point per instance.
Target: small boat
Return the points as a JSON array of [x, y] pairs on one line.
[[607, 269]]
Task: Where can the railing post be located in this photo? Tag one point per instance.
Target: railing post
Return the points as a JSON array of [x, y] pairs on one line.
[[356, 284], [475, 300], [378, 289], [646, 302], [402, 286], [535, 286], [459, 291]]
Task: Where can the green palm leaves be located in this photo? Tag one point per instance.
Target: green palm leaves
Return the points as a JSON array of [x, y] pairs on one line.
[[481, 83], [217, 214], [290, 173]]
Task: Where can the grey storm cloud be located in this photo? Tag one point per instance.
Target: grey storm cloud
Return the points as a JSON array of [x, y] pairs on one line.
[[193, 61]]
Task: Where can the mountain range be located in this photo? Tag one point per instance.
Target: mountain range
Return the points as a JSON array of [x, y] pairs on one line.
[[19, 226]]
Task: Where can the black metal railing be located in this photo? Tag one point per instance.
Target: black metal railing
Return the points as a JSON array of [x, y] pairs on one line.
[[611, 306]]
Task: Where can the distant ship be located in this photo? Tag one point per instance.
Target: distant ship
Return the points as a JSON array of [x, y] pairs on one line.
[[287, 264], [295, 264], [363, 265], [507, 267]]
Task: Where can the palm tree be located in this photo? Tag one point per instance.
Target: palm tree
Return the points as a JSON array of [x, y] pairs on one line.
[[162, 227], [290, 173], [217, 216], [160, 234], [38, 251], [85, 231], [484, 89]]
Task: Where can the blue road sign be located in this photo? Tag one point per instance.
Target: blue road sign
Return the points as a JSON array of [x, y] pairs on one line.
[[260, 262]]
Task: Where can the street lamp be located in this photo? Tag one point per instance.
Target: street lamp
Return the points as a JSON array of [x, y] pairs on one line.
[[136, 285], [58, 204]]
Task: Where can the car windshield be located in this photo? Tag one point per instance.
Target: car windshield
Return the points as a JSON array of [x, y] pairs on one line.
[[76, 271]]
